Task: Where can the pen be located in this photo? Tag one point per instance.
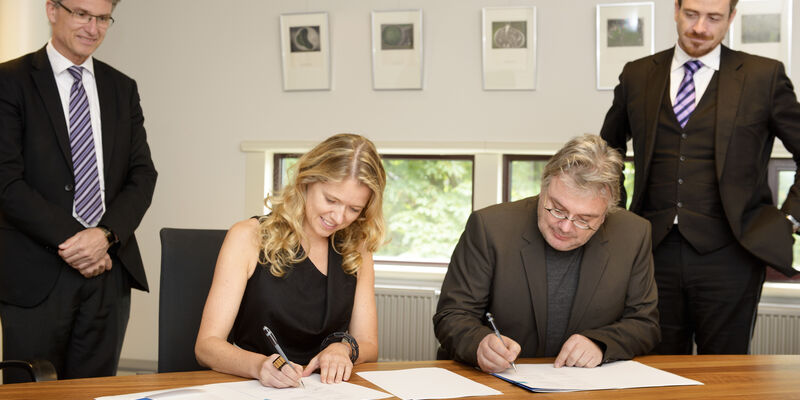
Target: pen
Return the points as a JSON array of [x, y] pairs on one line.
[[271, 337], [496, 332]]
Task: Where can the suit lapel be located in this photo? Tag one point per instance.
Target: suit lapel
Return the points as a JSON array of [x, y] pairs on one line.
[[731, 81], [533, 264], [45, 82], [593, 265], [108, 103], [657, 81]]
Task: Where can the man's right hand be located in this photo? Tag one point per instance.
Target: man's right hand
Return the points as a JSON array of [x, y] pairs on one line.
[[494, 356], [90, 270]]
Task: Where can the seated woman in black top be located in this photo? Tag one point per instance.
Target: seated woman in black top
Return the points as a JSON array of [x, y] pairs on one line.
[[305, 271]]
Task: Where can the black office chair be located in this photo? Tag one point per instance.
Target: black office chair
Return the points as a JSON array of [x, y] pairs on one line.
[[188, 257], [39, 370]]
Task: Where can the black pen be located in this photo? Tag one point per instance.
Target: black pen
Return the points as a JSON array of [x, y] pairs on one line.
[[271, 337], [496, 332]]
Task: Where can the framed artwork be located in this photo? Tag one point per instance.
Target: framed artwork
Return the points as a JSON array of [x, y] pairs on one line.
[[624, 33], [763, 27], [509, 48], [305, 51], [397, 49]]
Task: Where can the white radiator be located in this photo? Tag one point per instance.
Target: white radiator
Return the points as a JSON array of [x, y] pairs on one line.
[[777, 330], [405, 325]]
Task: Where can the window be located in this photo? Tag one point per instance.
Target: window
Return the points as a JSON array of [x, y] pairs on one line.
[[522, 178], [781, 177], [426, 203]]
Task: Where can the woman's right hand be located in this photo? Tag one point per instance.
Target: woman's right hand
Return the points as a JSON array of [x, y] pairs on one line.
[[287, 376]]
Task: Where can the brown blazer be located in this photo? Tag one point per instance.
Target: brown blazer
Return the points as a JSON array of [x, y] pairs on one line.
[[499, 266], [755, 104]]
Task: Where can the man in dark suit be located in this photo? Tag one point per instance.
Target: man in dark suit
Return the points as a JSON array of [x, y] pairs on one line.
[[703, 120], [566, 274], [76, 178]]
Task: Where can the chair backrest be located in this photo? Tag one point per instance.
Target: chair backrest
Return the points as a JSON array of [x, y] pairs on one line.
[[188, 257]]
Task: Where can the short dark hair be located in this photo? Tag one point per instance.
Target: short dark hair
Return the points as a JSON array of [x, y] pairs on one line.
[[733, 5]]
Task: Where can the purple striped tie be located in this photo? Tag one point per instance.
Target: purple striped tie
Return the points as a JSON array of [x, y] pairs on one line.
[[684, 101], [88, 203]]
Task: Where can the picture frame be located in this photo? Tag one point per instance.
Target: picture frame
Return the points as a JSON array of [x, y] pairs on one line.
[[509, 48], [397, 57], [763, 27], [305, 51], [625, 32]]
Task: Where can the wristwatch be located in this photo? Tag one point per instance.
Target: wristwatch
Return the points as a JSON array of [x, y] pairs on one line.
[[795, 224], [110, 236]]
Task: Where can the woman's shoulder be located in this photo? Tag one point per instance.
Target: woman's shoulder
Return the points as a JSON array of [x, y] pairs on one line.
[[244, 233]]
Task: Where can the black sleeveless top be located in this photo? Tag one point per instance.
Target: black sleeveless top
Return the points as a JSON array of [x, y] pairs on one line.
[[301, 308]]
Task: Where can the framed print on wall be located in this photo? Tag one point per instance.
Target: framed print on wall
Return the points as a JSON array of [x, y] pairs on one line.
[[509, 48], [624, 33], [397, 49], [305, 51], [763, 27]]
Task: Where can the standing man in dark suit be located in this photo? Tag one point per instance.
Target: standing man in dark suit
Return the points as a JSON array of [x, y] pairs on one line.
[[703, 120], [76, 178], [566, 274]]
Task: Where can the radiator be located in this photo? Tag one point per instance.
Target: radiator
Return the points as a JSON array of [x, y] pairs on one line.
[[405, 326], [777, 330]]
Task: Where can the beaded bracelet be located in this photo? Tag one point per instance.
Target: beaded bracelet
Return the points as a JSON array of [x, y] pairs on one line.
[[338, 337]]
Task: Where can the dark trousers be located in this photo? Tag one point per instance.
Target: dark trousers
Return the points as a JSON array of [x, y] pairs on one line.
[[79, 327], [710, 299]]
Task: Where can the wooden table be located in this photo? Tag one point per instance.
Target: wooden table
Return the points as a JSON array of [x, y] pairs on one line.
[[725, 377]]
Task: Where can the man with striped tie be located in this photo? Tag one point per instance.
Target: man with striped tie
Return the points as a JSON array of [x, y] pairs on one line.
[[76, 178], [703, 119]]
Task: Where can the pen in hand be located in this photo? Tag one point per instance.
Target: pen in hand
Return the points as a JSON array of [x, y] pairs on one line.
[[271, 337], [496, 332]]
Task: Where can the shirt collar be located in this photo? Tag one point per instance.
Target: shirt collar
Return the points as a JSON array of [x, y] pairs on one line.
[[60, 64], [710, 60]]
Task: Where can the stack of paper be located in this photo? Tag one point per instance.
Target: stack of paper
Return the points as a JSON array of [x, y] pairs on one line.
[[314, 389], [616, 375]]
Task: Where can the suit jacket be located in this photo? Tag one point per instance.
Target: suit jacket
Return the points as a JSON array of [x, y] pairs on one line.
[[755, 104], [36, 177], [499, 266]]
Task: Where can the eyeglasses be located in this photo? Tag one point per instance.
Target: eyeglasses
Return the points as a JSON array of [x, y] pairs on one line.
[[80, 16], [558, 214]]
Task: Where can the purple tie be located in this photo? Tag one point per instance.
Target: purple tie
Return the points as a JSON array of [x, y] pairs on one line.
[[684, 101], [88, 203]]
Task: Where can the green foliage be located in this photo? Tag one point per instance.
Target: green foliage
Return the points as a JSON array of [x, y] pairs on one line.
[[426, 203]]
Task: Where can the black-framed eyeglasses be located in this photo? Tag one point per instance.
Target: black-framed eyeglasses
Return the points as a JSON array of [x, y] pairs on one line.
[[80, 16], [579, 223]]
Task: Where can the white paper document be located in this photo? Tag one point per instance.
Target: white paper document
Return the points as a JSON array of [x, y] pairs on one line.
[[247, 390], [427, 383], [615, 375]]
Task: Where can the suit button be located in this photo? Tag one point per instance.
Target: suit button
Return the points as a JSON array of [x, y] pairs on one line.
[[680, 204], [682, 158], [684, 136], [680, 181], [68, 188]]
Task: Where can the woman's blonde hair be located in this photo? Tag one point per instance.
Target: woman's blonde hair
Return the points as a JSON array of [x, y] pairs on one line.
[[337, 158]]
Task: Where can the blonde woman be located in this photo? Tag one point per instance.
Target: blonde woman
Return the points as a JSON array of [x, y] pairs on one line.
[[304, 270]]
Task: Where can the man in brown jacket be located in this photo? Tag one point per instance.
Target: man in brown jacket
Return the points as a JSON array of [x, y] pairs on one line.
[[566, 274]]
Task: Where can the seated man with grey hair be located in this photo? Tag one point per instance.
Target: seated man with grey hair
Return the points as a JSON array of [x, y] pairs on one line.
[[566, 274]]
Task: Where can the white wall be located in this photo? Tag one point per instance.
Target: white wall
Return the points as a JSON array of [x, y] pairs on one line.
[[209, 74], [23, 27]]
